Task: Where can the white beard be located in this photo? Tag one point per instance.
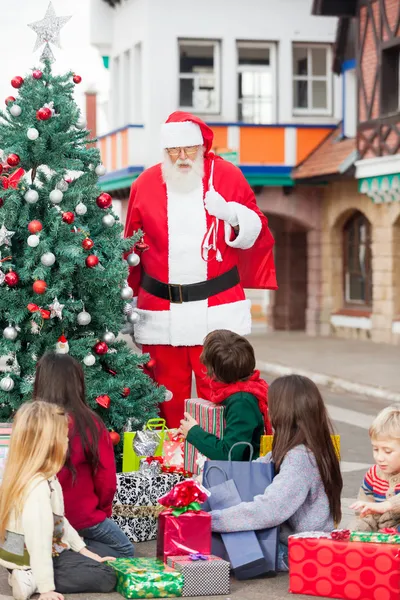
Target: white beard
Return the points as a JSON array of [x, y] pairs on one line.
[[183, 181]]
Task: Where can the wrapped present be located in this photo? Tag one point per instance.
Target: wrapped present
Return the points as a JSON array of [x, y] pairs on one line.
[[140, 444], [151, 464], [173, 448], [266, 444], [210, 417], [375, 536], [184, 528], [203, 575], [146, 578], [319, 566]]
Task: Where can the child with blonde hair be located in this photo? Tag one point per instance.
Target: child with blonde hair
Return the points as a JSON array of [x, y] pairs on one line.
[[37, 544], [378, 504]]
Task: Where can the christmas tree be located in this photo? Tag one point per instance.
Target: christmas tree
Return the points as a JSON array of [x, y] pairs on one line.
[[62, 274]]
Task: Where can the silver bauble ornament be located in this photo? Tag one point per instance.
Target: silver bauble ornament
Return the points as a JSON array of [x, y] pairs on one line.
[[126, 293], [83, 318], [62, 185], [7, 384], [56, 196], [81, 209], [108, 220], [10, 333], [89, 360], [31, 196], [109, 337], [33, 241], [47, 259], [133, 318], [100, 170], [133, 259], [32, 134], [15, 110], [128, 308], [81, 123], [168, 395]]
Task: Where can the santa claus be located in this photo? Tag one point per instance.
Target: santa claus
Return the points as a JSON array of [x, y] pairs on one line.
[[207, 240]]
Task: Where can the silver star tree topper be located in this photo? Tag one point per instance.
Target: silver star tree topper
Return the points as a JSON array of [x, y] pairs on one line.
[[48, 32]]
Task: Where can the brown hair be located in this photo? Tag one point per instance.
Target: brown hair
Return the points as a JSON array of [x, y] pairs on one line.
[[298, 416], [227, 356]]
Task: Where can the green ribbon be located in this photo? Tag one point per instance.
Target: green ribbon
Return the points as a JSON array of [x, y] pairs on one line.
[[180, 510]]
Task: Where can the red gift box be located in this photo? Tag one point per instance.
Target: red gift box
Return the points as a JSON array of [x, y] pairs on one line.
[[344, 569], [190, 533]]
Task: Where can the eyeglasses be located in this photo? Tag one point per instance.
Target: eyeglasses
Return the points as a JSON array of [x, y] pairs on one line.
[[188, 151]]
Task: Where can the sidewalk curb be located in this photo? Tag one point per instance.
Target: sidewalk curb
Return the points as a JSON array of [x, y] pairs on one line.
[[330, 381]]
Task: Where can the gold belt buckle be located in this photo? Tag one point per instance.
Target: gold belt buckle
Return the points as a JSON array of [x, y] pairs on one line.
[[173, 285]]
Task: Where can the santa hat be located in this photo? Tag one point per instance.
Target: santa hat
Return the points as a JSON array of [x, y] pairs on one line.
[[183, 129]]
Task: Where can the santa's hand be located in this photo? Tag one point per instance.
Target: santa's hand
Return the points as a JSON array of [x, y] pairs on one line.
[[218, 207]]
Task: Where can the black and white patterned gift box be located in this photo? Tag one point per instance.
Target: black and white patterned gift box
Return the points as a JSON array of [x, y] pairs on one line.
[[203, 575]]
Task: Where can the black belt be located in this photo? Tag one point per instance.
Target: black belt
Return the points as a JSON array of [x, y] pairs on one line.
[[177, 293]]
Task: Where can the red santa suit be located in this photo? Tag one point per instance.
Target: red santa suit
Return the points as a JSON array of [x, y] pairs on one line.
[[190, 281]]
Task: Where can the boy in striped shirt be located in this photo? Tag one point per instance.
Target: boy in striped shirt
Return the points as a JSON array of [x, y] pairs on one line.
[[378, 504]]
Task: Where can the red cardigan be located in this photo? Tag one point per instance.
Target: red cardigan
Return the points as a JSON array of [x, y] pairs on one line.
[[88, 497]]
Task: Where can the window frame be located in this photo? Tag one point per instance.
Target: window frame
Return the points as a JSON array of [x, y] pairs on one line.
[[348, 302], [327, 112], [216, 44]]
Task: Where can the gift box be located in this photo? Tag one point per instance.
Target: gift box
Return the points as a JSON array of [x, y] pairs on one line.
[[146, 578], [139, 444], [266, 444], [139, 523], [344, 569], [375, 536], [210, 417], [203, 575]]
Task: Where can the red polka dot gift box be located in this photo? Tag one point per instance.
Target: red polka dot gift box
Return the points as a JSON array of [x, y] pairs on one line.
[[321, 566]]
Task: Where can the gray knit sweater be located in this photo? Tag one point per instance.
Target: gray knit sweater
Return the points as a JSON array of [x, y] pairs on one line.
[[296, 500]]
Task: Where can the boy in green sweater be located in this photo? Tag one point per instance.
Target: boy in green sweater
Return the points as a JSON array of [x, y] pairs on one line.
[[236, 385]]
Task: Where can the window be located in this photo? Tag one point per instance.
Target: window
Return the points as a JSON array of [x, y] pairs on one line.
[[357, 260], [390, 88], [256, 82], [199, 76], [312, 80]]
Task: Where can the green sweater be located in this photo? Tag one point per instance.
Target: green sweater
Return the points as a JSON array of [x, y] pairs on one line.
[[243, 423]]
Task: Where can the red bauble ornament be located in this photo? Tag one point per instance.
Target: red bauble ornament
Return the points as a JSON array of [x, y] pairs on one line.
[[13, 160], [126, 391], [43, 114], [9, 99], [1, 169], [92, 261], [77, 79], [141, 246], [100, 348], [35, 226], [17, 81], [104, 200], [37, 74], [115, 438], [151, 364], [104, 401], [11, 278], [68, 217], [40, 286], [87, 244]]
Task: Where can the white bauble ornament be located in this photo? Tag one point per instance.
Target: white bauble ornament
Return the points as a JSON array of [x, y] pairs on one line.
[[81, 123], [133, 318], [109, 337], [62, 185], [15, 110], [48, 259], [133, 259], [89, 360], [10, 333], [31, 196], [81, 209], [108, 220], [32, 134], [56, 196], [126, 293], [83, 318], [7, 384], [168, 395], [33, 241], [100, 170]]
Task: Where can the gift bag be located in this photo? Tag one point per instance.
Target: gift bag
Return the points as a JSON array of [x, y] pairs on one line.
[[266, 444], [173, 448], [139, 444]]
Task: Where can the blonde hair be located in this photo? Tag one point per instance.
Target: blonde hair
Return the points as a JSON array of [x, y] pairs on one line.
[[37, 447], [386, 424]]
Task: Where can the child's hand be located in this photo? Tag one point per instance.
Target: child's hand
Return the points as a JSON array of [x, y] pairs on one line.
[[51, 596], [370, 508], [186, 424], [95, 556]]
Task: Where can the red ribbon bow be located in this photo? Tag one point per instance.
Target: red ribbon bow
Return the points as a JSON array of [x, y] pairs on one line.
[[340, 534], [45, 314], [151, 459], [389, 530], [12, 180], [176, 470]]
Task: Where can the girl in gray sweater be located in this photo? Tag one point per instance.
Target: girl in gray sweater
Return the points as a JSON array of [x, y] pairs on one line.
[[305, 493]]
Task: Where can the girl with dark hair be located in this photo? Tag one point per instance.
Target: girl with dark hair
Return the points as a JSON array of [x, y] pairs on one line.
[[305, 493], [88, 479]]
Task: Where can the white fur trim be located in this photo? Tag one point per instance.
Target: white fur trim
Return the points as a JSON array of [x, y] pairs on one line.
[[177, 135], [177, 327], [249, 227]]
